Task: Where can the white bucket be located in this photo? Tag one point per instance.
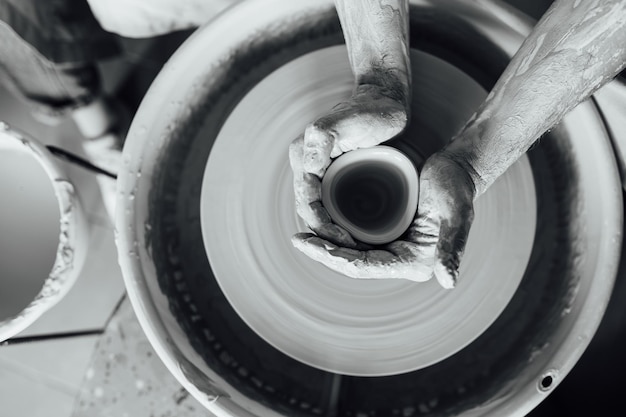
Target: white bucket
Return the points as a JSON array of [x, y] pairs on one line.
[[42, 232]]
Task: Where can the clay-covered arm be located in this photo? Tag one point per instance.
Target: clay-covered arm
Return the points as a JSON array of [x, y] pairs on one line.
[[376, 34], [575, 48]]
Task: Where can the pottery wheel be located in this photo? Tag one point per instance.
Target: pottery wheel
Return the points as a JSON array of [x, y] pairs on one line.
[[310, 313]]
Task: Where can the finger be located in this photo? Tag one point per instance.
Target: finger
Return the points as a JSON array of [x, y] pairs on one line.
[[318, 249], [362, 131], [364, 121], [318, 144], [307, 191], [330, 231], [452, 240], [417, 259], [419, 247], [424, 231], [370, 264], [296, 149], [349, 262], [308, 194]]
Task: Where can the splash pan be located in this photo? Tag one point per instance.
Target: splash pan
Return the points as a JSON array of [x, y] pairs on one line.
[[252, 327]]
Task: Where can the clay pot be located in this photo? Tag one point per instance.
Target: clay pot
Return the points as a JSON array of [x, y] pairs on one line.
[[377, 184], [43, 248], [193, 225]]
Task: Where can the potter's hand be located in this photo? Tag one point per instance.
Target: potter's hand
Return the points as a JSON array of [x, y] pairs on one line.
[[573, 50], [434, 242], [372, 115]]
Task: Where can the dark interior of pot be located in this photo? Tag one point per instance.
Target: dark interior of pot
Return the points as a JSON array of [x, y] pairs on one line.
[[470, 377]]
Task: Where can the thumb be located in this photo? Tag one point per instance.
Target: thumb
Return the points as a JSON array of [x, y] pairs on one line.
[[451, 246], [318, 144]]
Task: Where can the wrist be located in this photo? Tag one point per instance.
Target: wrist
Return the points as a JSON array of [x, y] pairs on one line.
[[465, 158], [393, 83]]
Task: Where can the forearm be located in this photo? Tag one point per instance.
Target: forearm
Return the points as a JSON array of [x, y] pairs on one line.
[[376, 34], [575, 48]]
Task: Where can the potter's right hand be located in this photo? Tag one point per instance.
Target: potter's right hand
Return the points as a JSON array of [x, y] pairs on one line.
[[372, 115], [148, 18], [434, 243]]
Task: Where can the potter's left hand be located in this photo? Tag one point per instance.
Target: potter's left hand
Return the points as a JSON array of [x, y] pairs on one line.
[[372, 115], [435, 241]]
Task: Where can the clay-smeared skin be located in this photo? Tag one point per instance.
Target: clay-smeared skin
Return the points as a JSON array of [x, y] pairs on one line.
[[376, 33], [369, 118], [574, 49]]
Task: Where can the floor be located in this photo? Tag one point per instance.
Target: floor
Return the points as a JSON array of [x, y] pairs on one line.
[[126, 378]]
